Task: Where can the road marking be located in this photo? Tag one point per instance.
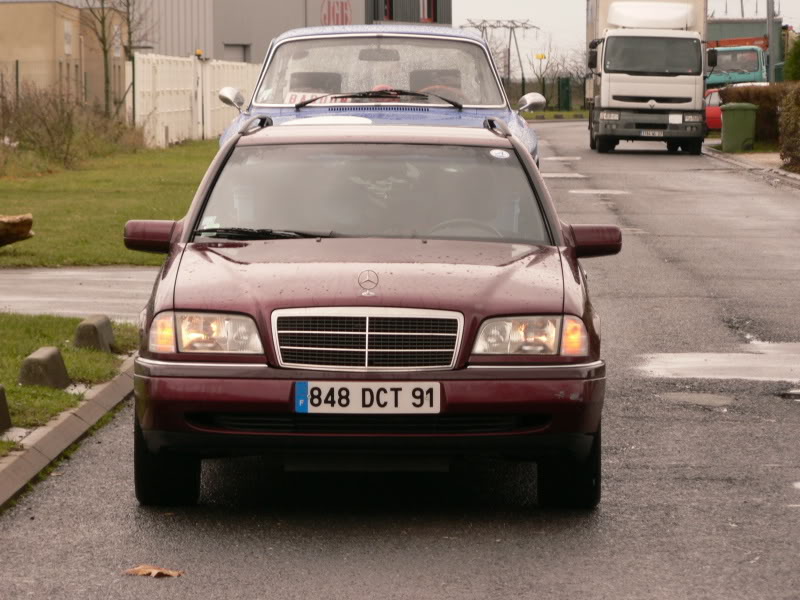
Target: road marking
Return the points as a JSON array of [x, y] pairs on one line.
[[563, 176], [562, 158], [757, 362], [604, 192], [633, 231], [797, 485]]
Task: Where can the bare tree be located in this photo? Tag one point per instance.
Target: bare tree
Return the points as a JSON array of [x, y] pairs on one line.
[[100, 20], [545, 64], [136, 14]]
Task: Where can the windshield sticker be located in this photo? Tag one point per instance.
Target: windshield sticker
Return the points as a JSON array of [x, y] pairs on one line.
[[497, 153], [295, 97]]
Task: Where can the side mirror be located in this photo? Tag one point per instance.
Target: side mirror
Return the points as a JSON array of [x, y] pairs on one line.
[[532, 101], [596, 240], [149, 236], [712, 57], [232, 97], [591, 59]]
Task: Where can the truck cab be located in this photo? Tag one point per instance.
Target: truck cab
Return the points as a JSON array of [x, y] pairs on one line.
[[648, 65], [738, 64]]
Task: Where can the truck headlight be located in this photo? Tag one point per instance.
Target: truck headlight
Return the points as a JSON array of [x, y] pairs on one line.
[[692, 118], [533, 336], [609, 116], [204, 332]]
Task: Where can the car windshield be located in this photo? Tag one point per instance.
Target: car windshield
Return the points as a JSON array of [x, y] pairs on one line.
[[377, 190], [304, 69], [653, 55], [736, 61]]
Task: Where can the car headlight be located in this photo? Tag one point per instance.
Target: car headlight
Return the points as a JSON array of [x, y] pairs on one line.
[[609, 116], [533, 336], [204, 332], [692, 118]]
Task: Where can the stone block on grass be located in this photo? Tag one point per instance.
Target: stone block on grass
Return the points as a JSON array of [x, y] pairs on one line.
[[5, 417], [95, 333], [44, 367]]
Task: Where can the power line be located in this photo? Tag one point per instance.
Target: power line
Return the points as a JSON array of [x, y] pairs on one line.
[[485, 26]]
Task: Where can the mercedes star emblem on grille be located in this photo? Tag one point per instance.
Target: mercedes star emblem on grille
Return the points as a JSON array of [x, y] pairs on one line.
[[368, 280]]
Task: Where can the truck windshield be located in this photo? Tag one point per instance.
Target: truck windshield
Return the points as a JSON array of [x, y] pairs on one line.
[[736, 61], [307, 68], [653, 56], [378, 190]]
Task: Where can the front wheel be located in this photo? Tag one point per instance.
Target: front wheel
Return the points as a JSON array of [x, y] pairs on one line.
[[592, 140], [570, 483], [163, 479], [605, 144], [673, 147], [693, 147]]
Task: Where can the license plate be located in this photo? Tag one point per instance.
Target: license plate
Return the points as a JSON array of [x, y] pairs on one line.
[[336, 397], [652, 133]]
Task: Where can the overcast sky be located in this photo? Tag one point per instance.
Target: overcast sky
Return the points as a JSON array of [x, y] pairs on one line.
[[565, 20]]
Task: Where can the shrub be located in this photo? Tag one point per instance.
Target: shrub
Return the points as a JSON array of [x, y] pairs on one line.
[[791, 69], [60, 130], [790, 129], [768, 98]]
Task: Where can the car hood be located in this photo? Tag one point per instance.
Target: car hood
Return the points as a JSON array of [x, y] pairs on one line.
[[478, 279]]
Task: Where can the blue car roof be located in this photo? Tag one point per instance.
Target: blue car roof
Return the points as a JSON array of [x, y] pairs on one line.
[[431, 30]]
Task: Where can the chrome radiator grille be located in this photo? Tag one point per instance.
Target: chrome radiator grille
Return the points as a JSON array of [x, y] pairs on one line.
[[367, 339]]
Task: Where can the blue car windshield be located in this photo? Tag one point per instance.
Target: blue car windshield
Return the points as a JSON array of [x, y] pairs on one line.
[[374, 190], [307, 68]]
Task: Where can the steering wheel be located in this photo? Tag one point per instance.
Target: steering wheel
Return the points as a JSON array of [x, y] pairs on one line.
[[463, 221], [444, 90]]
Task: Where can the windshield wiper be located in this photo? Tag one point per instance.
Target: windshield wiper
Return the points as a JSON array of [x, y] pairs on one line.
[[245, 233], [391, 93]]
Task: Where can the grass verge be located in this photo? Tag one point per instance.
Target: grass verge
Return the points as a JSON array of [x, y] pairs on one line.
[[6, 447], [31, 406], [78, 216]]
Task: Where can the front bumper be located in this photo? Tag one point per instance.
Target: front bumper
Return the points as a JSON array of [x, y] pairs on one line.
[[635, 125], [519, 412]]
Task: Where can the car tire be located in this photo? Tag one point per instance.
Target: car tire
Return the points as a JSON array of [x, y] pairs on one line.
[[570, 483], [694, 147], [163, 479], [673, 147], [604, 144]]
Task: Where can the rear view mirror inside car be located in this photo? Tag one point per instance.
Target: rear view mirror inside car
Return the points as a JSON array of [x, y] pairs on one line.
[[379, 55]]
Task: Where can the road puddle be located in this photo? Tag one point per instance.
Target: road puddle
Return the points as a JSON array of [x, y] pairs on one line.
[[758, 361]]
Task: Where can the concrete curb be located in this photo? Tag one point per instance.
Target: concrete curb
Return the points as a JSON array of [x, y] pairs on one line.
[[46, 443], [785, 177]]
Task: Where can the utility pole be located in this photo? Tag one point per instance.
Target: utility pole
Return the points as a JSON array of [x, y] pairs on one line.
[[772, 50], [485, 26]]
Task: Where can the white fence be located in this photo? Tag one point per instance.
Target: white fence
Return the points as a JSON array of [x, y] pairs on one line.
[[175, 99]]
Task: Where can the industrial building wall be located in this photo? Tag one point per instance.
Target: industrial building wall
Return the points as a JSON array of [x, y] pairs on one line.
[[408, 10]]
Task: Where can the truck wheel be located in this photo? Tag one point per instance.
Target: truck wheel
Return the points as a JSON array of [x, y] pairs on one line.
[[604, 144], [163, 479], [693, 147], [673, 147], [592, 141], [570, 483]]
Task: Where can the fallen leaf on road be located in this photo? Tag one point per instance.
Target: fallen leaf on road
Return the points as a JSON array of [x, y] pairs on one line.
[[151, 571]]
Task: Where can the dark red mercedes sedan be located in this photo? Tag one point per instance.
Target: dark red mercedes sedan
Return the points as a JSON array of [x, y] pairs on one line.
[[343, 294]]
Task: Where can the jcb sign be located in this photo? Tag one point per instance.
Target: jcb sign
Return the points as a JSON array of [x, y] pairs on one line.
[[336, 12]]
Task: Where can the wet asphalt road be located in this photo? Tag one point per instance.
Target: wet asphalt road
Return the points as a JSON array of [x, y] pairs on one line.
[[699, 499]]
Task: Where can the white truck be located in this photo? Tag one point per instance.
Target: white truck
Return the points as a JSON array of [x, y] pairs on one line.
[[648, 72]]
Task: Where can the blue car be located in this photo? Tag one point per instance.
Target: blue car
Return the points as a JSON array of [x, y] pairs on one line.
[[404, 74]]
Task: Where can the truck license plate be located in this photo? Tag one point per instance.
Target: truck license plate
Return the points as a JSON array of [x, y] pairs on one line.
[[652, 133], [396, 398]]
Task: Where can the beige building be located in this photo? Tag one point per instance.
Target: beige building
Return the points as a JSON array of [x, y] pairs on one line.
[[52, 45]]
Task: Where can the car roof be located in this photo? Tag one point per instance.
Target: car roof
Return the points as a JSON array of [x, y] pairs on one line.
[[403, 29], [374, 134]]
